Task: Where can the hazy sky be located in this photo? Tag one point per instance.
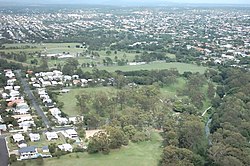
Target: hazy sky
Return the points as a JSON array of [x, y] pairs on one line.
[[215, 1], [108, 2]]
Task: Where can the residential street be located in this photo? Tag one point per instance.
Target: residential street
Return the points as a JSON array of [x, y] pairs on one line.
[[3, 152], [32, 99]]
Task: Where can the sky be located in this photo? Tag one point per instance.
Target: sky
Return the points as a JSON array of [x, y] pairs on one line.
[[125, 2]]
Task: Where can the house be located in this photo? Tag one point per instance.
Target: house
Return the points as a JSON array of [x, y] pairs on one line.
[[54, 83], [8, 88], [75, 77], [73, 120], [76, 82], [3, 127], [18, 137], [66, 147], [65, 90], [9, 74], [34, 137], [11, 81], [29, 152], [45, 149], [26, 124], [22, 118], [14, 93], [67, 78], [22, 144], [84, 81], [49, 105], [41, 91], [55, 111], [16, 101], [51, 135], [71, 133], [22, 108], [61, 120], [46, 83]]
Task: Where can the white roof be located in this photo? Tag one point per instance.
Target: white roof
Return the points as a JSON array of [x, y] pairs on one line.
[[55, 111], [33, 135], [18, 136], [51, 135], [71, 132]]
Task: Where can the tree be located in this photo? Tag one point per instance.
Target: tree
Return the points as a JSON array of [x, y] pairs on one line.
[[210, 91], [101, 103], [108, 52], [39, 160], [192, 135], [117, 137], [12, 158], [83, 101], [99, 143], [174, 156]]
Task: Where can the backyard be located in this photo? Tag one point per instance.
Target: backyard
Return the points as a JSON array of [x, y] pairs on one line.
[[141, 154]]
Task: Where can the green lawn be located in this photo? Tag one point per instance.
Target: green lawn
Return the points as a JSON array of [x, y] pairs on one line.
[[70, 107], [44, 142], [142, 154], [181, 67], [171, 90]]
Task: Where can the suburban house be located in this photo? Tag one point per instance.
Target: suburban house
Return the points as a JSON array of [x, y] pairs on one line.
[[22, 144], [18, 137], [55, 111], [66, 147], [3, 127], [9, 74], [70, 133], [49, 105], [29, 152], [61, 120], [45, 149], [22, 108], [51, 135], [34, 137], [26, 124]]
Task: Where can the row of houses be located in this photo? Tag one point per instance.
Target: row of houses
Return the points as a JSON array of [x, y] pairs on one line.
[[16, 103], [55, 78], [31, 152]]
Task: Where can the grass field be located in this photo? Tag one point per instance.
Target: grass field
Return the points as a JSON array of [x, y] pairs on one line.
[[70, 107], [171, 91], [142, 154], [181, 67]]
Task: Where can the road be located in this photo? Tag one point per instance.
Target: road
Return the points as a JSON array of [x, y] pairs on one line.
[[4, 156], [27, 90]]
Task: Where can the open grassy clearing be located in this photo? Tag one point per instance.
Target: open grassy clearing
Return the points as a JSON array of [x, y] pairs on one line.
[[171, 90], [181, 67], [69, 98], [141, 154]]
